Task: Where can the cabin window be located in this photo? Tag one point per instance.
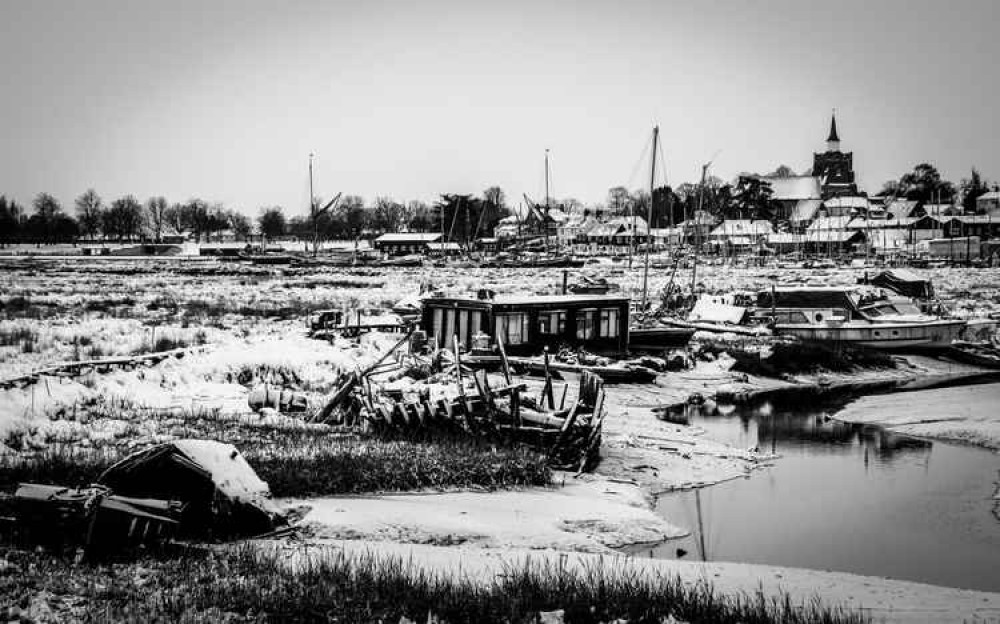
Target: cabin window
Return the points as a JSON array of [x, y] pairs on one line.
[[586, 324], [512, 328], [438, 322], [552, 323], [609, 323]]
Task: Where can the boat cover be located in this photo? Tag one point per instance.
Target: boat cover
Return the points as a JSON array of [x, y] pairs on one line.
[[905, 283], [806, 298]]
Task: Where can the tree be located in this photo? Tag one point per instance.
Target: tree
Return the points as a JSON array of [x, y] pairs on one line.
[[240, 224], [924, 184], [42, 225], [783, 171], [752, 199], [156, 214], [972, 188], [420, 216], [11, 225], [89, 209], [387, 215], [668, 209], [123, 220], [890, 188], [272, 222]]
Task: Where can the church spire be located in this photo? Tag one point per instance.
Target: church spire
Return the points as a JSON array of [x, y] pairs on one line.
[[833, 141]]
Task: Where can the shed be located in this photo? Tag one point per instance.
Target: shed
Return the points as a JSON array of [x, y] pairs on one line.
[[526, 323]]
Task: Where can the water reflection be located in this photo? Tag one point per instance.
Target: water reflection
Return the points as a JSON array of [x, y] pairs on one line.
[[846, 497]]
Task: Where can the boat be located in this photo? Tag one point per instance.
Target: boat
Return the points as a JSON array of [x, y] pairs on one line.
[[646, 336], [859, 316], [658, 338]]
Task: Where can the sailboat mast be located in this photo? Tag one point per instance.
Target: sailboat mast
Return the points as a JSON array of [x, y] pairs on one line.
[[649, 218], [545, 223], [312, 206]]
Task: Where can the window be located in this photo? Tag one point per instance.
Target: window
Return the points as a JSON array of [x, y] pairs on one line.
[[512, 328], [586, 324], [552, 323], [609, 323]]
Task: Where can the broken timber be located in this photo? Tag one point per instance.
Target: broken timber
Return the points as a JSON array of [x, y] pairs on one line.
[[570, 436]]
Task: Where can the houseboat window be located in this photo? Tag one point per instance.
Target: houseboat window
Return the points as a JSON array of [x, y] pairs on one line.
[[552, 323], [513, 328], [609, 322], [586, 324], [438, 321]]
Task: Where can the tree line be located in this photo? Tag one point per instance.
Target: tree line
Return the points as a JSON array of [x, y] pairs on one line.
[[460, 217]]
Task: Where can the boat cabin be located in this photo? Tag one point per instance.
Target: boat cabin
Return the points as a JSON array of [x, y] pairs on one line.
[[526, 324]]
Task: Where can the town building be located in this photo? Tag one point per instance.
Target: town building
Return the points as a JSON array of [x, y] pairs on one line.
[[989, 203], [834, 167]]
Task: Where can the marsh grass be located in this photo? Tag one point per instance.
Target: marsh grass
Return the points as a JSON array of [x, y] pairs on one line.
[[294, 462], [245, 584]]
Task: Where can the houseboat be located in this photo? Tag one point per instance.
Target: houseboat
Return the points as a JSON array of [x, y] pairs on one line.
[[854, 315], [527, 323]]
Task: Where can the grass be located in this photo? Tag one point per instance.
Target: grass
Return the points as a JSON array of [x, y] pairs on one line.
[[303, 462], [245, 585]]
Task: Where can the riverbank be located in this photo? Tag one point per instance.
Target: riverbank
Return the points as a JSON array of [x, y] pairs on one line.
[[882, 600]]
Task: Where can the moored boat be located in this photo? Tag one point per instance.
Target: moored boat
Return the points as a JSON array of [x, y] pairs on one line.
[[858, 316]]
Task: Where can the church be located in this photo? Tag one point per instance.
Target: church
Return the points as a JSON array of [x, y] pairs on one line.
[[835, 168]]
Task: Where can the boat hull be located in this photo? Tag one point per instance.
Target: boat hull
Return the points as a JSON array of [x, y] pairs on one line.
[[659, 337], [886, 336]]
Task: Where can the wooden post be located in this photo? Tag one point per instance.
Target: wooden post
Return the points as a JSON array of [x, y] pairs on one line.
[[503, 360]]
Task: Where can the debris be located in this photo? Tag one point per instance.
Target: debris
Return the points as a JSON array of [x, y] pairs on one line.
[[224, 498], [93, 518]]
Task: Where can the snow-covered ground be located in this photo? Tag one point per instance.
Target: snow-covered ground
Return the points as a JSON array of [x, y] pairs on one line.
[[252, 321]]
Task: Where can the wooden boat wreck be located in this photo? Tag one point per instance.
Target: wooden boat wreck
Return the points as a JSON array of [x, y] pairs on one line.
[[568, 431]]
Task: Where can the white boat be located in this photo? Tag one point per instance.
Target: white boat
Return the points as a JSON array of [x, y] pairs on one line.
[[860, 316]]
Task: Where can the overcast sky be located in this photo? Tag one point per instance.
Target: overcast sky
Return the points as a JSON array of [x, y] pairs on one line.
[[225, 100]]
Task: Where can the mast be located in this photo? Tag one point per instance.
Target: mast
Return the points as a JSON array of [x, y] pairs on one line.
[[312, 206], [545, 223], [649, 218]]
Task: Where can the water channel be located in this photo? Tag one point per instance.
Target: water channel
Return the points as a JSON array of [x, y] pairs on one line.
[[849, 498]]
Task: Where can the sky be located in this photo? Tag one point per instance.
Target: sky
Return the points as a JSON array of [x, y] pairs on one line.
[[226, 100]]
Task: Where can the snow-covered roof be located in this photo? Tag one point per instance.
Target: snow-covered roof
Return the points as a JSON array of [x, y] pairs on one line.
[[794, 187], [448, 246], [785, 238], [901, 207], [830, 236], [742, 227], [860, 203], [805, 210], [939, 209], [829, 223], [408, 237], [987, 196]]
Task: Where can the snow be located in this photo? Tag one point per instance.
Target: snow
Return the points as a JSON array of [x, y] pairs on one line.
[[229, 469], [590, 514]]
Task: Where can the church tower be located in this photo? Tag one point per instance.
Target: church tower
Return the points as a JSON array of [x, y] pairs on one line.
[[834, 167]]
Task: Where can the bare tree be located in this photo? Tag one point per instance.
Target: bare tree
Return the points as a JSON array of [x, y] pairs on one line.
[[387, 214], [156, 213], [88, 209]]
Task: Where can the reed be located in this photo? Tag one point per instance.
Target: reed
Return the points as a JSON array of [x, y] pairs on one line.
[[245, 584]]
